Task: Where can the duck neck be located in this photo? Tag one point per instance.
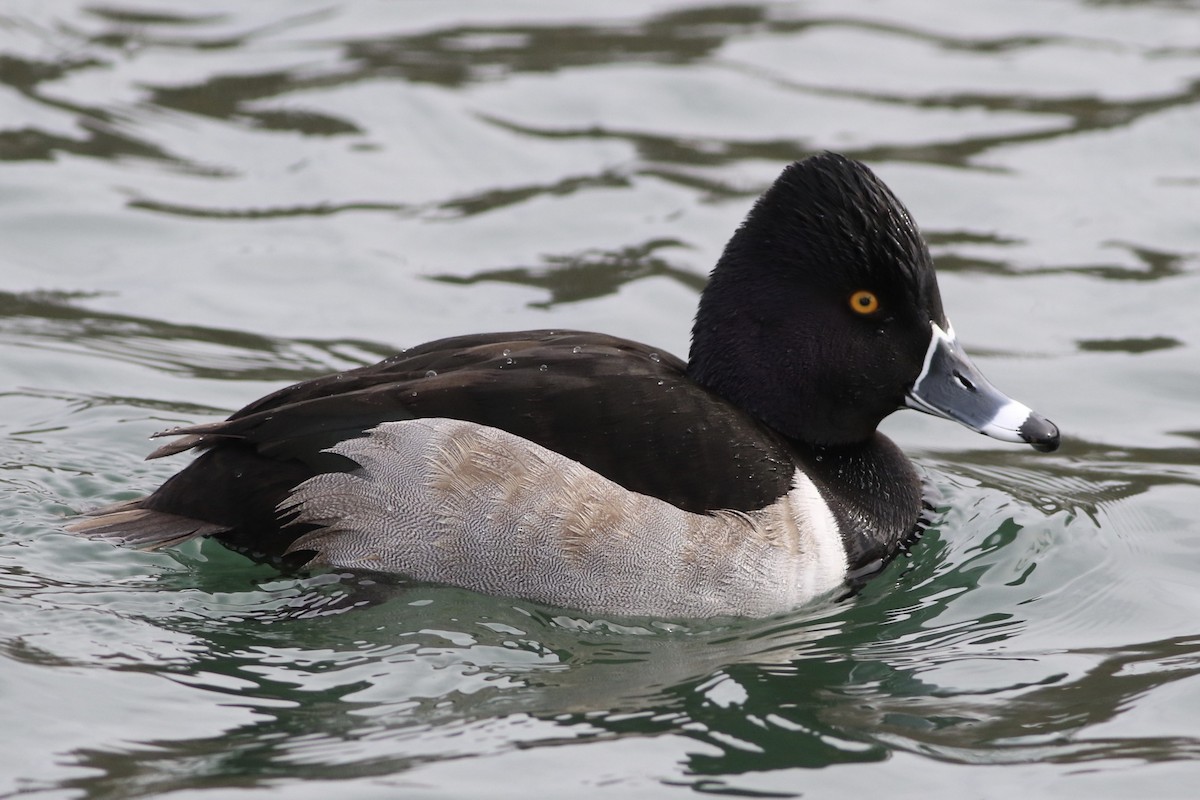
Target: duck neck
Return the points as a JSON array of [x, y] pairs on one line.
[[874, 492]]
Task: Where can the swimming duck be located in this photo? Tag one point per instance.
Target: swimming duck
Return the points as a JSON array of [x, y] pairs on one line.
[[595, 473]]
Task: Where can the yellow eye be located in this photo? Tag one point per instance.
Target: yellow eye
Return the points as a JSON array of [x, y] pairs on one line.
[[864, 302]]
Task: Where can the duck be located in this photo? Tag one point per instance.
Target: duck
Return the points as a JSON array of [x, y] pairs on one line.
[[592, 473]]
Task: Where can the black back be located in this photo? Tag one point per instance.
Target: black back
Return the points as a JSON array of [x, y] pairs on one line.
[[618, 407]]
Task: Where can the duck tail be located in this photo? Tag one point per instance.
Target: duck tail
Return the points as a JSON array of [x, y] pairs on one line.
[[133, 525]]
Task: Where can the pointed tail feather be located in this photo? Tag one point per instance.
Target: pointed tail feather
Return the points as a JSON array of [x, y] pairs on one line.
[[131, 525]]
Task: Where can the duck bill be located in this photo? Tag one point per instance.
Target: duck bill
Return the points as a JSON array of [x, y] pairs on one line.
[[951, 386]]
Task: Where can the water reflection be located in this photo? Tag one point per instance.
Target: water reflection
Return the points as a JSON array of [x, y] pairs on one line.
[[52, 321], [571, 279], [438, 674], [1152, 265], [1046, 618], [455, 56], [466, 54], [1047, 722]]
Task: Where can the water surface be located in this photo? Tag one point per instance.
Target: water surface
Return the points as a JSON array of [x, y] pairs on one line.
[[203, 201]]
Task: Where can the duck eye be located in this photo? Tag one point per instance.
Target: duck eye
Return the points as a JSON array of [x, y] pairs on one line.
[[864, 302]]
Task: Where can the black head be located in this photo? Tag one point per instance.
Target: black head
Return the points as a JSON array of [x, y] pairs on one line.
[[817, 317]]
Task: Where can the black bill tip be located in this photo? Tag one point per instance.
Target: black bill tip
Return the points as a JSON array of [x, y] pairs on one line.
[[1041, 433]]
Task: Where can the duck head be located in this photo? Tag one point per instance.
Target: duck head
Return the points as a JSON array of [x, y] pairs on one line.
[[823, 316]]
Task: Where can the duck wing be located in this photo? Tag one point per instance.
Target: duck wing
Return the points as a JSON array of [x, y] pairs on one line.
[[622, 409]]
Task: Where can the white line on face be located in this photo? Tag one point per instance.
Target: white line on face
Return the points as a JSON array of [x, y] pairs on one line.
[[937, 335]]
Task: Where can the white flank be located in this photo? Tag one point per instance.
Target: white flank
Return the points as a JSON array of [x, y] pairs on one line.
[[825, 568]]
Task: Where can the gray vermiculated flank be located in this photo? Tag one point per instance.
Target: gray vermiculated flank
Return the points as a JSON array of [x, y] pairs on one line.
[[455, 502]]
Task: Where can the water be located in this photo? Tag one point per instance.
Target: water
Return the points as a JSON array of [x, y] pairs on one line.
[[204, 201]]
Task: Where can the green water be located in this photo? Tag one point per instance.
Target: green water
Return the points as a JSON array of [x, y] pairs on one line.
[[203, 201]]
